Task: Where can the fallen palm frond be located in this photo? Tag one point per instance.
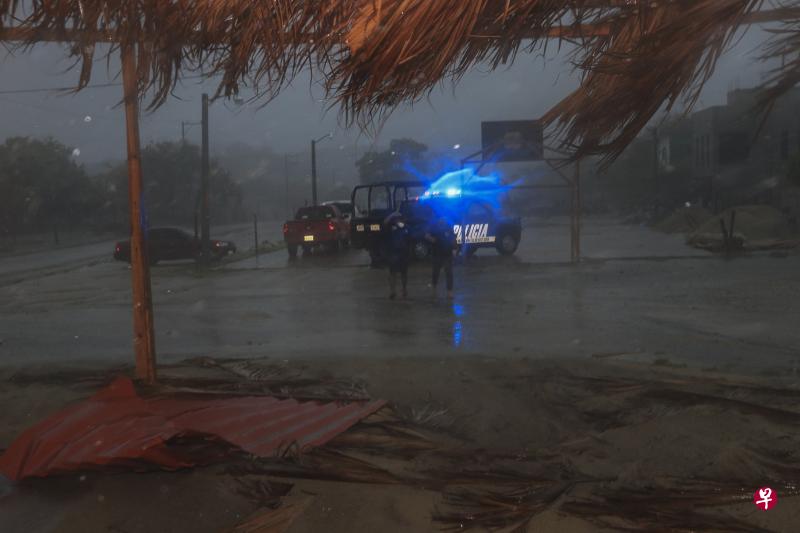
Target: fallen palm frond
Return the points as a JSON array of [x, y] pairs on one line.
[[265, 378], [273, 520], [509, 510], [327, 465], [684, 506], [687, 398], [384, 437], [264, 492]]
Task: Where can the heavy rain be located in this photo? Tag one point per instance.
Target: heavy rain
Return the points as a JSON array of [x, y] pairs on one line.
[[399, 266]]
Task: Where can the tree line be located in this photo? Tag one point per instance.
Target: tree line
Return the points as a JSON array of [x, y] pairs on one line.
[[44, 188]]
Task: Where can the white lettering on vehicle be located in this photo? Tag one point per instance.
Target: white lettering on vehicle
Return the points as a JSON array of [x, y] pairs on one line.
[[473, 233]]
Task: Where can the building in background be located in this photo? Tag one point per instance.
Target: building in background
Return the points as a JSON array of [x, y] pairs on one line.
[[720, 157], [742, 155]]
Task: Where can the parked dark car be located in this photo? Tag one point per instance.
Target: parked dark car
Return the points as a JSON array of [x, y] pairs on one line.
[[168, 244]]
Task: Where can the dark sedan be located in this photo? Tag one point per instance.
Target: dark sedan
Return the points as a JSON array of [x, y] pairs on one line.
[[168, 244]]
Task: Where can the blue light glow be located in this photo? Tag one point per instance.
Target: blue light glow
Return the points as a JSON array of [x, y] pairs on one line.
[[468, 185], [458, 327], [457, 334]]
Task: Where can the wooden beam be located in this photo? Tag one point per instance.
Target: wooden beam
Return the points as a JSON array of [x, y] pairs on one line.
[[18, 34], [143, 331]]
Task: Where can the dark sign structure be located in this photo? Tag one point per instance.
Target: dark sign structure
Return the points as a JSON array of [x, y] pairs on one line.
[[512, 140]]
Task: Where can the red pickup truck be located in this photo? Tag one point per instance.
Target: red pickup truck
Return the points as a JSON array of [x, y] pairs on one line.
[[321, 226]]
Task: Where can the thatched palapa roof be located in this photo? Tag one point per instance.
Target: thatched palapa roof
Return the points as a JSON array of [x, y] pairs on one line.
[[635, 56]]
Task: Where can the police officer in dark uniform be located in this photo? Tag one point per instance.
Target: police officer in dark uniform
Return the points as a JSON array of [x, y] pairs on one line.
[[397, 252], [443, 244]]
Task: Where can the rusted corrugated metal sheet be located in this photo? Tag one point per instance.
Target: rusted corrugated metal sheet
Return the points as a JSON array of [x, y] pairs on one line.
[[117, 427]]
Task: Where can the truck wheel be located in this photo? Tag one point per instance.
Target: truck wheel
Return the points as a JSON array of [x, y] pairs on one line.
[[507, 244], [421, 250], [334, 246], [292, 248]]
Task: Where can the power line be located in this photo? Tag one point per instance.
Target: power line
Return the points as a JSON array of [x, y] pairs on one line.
[[59, 89], [48, 109], [75, 89]]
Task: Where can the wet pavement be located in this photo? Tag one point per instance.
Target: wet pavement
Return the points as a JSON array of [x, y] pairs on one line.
[[54, 260], [639, 295]]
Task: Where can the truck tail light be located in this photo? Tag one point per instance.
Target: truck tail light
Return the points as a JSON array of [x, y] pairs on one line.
[[285, 229], [331, 226]]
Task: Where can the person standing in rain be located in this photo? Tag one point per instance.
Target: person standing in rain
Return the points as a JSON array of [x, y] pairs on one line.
[[397, 252], [443, 244]]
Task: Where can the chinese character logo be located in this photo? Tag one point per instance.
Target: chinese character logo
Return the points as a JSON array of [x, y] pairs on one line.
[[765, 498]]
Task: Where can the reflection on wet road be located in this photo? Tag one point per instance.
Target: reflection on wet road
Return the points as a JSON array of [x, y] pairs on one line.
[[334, 306]]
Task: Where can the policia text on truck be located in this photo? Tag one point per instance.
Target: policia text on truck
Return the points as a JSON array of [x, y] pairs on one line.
[[475, 221]]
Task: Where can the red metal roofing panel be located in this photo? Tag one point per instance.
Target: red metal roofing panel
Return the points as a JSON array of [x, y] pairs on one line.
[[117, 427]]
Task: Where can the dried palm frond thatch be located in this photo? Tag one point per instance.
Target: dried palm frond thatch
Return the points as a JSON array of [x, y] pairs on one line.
[[784, 45], [376, 54], [661, 56]]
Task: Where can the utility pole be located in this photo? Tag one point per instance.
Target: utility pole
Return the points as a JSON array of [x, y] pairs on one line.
[[286, 178], [656, 183], [314, 167], [143, 333], [205, 237], [313, 172]]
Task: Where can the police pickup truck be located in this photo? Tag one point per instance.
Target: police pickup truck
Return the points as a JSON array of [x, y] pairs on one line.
[[372, 204], [476, 222]]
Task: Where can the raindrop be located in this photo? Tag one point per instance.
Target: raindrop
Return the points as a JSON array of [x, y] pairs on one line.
[[87, 118], [76, 152], [456, 146]]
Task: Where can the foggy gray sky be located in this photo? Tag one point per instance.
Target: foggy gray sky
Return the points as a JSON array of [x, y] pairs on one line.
[[525, 90]]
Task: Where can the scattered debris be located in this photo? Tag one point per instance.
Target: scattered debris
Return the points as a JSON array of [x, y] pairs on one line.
[[172, 431], [751, 227], [684, 220], [685, 506], [274, 379], [607, 355], [492, 510], [264, 492], [273, 520]]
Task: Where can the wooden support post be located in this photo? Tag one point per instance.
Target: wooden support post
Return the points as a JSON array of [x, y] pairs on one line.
[[143, 333], [575, 216], [255, 234], [205, 214], [578, 210], [314, 172]]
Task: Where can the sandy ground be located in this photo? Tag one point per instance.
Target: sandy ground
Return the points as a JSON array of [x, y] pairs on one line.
[[649, 392], [643, 446]]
